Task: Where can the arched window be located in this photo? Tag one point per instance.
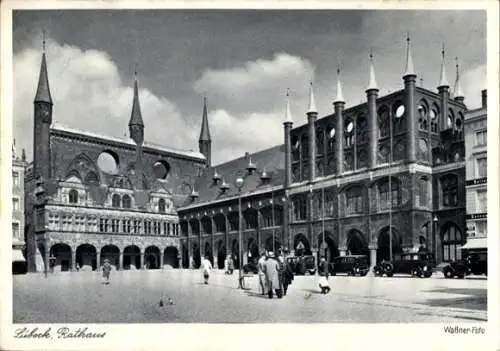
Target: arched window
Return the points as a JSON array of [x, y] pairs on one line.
[[161, 205], [385, 196], [73, 196], [383, 122], [305, 146], [452, 242], [354, 201], [320, 141], [349, 133], [331, 138], [126, 201], [449, 190], [434, 114], [423, 112], [423, 191], [115, 200], [361, 130]]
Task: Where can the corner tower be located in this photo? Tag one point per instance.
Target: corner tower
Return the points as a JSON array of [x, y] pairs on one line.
[[42, 120], [205, 141]]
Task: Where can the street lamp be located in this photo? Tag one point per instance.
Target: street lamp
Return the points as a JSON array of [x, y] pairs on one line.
[[239, 185], [435, 221]]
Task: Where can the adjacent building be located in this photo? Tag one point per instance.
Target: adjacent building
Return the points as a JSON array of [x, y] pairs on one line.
[[18, 239], [476, 176]]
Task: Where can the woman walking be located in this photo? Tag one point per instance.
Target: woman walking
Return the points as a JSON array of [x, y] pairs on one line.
[[106, 270], [207, 268]]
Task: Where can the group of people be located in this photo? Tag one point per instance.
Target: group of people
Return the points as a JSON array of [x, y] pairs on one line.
[[228, 265], [275, 275]]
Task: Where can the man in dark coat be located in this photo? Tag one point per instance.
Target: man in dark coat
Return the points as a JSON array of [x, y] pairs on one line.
[[285, 274]]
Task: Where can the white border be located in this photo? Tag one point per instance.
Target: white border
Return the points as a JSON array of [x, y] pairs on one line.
[[262, 337]]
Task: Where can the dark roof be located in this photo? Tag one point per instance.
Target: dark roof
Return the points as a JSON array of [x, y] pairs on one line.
[[271, 160], [43, 90]]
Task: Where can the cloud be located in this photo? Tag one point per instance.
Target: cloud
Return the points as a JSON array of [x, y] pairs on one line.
[[256, 86], [88, 94], [250, 132], [473, 81]]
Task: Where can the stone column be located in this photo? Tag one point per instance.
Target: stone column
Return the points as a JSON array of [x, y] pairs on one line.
[[316, 258], [120, 258], [339, 136], [73, 259], [142, 260], [373, 254], [371, 96], [161, 259], [98, 259]]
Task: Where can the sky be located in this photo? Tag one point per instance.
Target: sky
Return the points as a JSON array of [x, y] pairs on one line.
[[243, 60]]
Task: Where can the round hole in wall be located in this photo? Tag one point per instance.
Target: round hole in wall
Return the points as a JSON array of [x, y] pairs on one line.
[[108, 162], [161, 169], [350, 127], [400, 111]]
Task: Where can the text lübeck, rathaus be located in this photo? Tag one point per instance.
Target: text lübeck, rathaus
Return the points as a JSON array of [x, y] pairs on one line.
[[61, 333]]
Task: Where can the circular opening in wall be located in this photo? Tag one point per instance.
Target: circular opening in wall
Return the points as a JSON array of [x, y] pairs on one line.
[[458, 123], [350, 127], [108, 162], [400, 111], [161, 169], [433, 113]]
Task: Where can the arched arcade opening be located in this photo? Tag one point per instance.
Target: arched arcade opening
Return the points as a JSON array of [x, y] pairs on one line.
[[327, 247], [152, 256], [132, 257], [86, 257], [112, 254], [384, 244], [170, 257], [357, 244], [62, 257], [301, 245]]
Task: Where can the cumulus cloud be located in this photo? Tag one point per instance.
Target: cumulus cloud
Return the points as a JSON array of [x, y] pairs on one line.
[[257, 86], [473, 81], [89, 95]]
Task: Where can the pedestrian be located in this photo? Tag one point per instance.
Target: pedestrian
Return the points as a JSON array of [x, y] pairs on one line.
[[262, 275], [230, 265], [323, 276], [271, 268], [206, 267], [286, 274], [106, 269], [226, 265]]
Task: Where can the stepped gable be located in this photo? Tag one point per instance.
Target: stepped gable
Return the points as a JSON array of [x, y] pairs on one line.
[[271, 160]]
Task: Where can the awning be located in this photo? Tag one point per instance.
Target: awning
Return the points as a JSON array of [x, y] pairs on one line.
[[17, 256], [475, 243]]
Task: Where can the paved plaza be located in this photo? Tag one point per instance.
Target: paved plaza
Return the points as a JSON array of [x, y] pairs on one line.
[[134, 297]]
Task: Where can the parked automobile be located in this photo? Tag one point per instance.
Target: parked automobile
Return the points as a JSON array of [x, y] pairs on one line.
[[302, 264], [418, 264], [474, 263], [350, 265]]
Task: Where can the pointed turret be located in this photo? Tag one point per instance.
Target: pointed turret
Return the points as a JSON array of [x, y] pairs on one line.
[[340, 96], [205, 131], [288, 113], [136, 116], [372, 84], [43, 90], [312, 102], [409, 60], [457, 90], [443, 82], [205, 141]]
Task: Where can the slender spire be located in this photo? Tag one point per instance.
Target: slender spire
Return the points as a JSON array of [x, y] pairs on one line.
[[409, 61], [14, 156], [43, 90], [340, 96], [205, 131], [312, 103], [288, 114], [136, 116], [443, 82], [457, 91], [372, 84]]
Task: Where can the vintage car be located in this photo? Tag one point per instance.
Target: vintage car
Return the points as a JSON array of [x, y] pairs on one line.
[[475, 263], [350, 265], [302, 264], [418, 264]]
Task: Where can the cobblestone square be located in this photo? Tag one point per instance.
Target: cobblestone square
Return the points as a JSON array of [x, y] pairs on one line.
[[134, 297]]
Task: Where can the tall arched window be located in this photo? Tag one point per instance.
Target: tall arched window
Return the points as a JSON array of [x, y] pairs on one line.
[[73, 196], [349, 133], [115, 200], [320, 141], [452, 242], [383, 122], [126, 201], [449, 190], [385, 196], [354, 200], [161, 205], [423, 191]]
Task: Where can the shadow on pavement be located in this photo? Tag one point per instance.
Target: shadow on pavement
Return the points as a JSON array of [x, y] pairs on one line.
[[313, 291], [254, 294]]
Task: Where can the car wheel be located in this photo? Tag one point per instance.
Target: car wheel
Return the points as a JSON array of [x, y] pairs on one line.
[[414, 272], [448, 274], [377, 271]]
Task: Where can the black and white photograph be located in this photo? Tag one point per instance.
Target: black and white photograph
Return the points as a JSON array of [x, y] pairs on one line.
[[211, 166]]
